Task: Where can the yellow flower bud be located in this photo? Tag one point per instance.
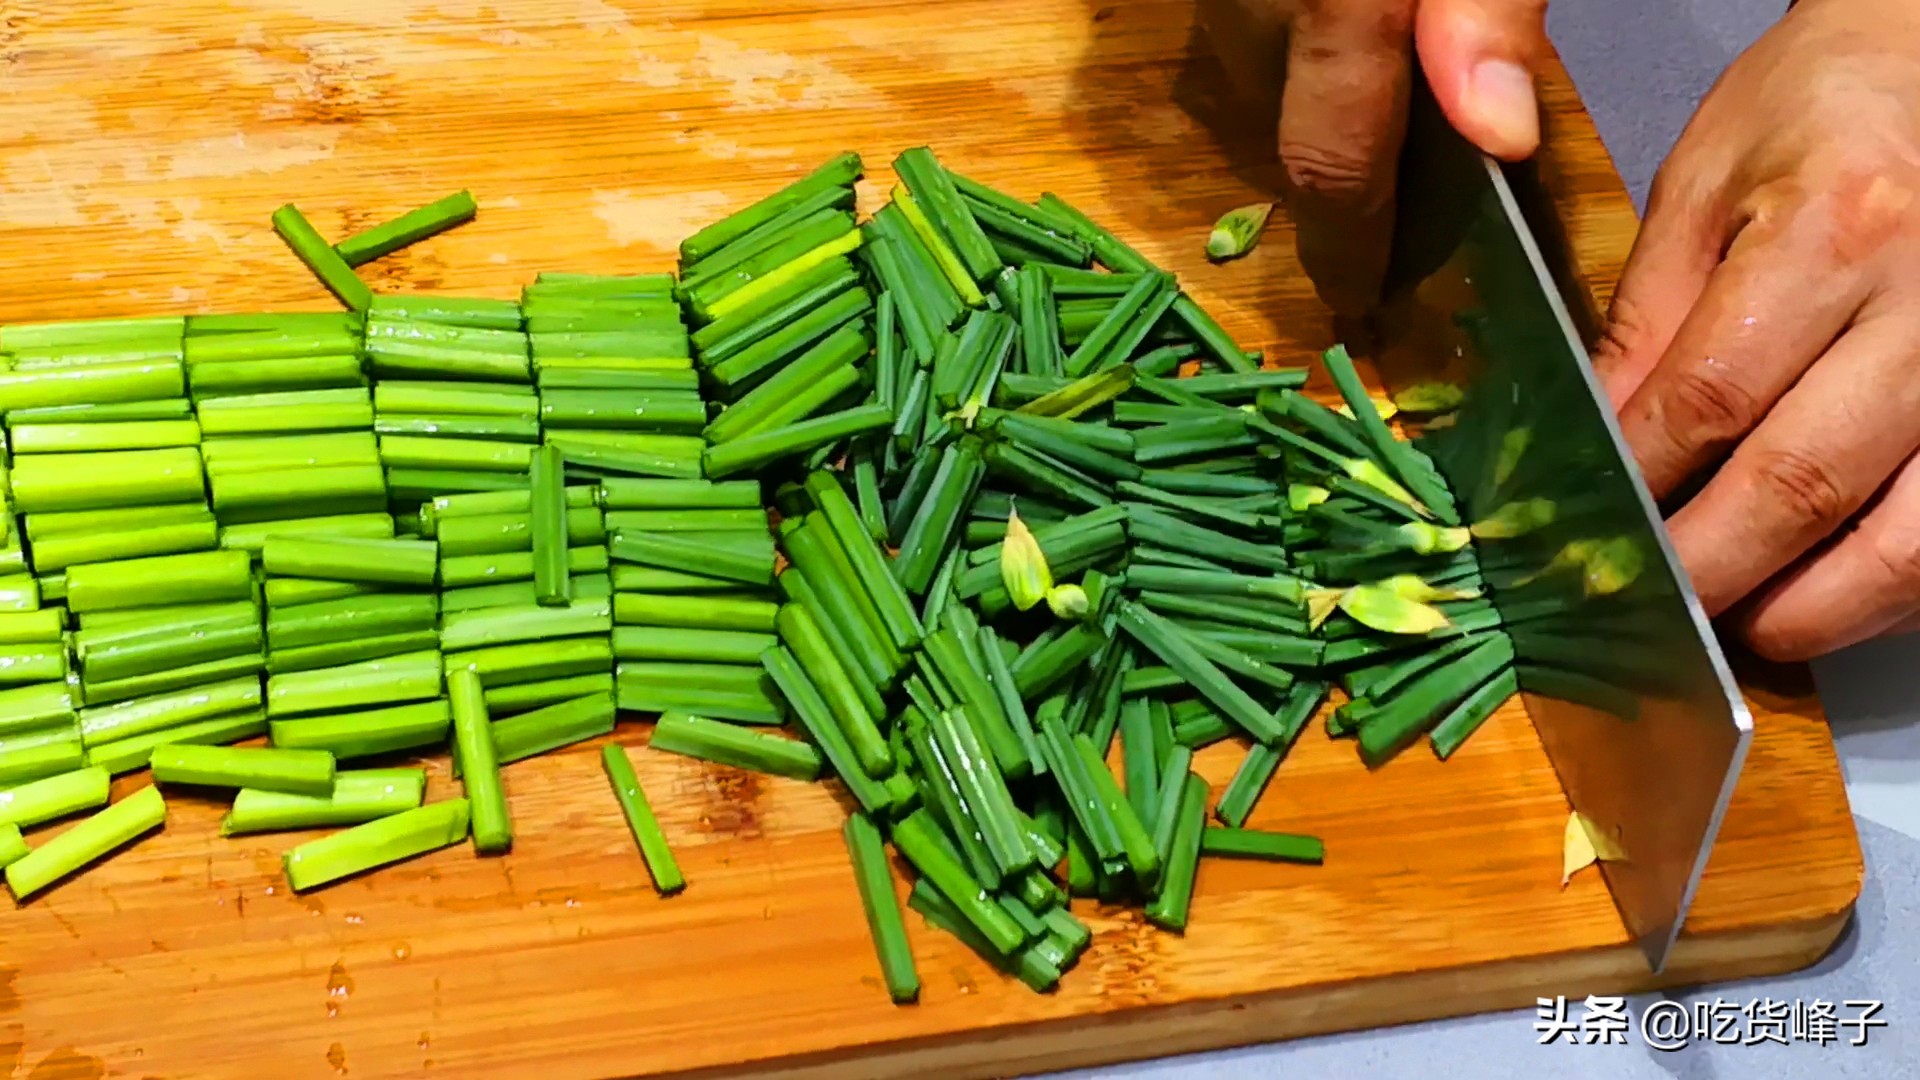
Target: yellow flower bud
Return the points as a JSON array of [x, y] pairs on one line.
[[1023, 566]]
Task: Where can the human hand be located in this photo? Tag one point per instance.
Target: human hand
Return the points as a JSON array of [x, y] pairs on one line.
[[1768, 323], [1346, 67]]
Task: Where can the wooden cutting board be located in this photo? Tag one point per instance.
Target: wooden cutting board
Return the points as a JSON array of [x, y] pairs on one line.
[[144, 147]]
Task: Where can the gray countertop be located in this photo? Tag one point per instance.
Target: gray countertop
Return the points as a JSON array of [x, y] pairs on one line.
[[1641, 66]]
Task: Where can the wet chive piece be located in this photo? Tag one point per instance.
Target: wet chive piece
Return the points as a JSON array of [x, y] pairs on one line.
[[732, 692], [128, 754], [802, 633], [473, 737], [1267, 846], [333, 271], [86, 842], [1417, 707], [1176, 648], [984, 789], [375, 844], [548, 508], [817, 718], [712, 740], [874, 878], [294, 772], [841, 171], [559, 724], [934, 189], [1169, 909], [918, 839], [355, 797], [410, 227], [1458, 725], [661, 865], [745, 558], [367, 733], [1248, 784], [933, 524], [765, 447], [54, 797]]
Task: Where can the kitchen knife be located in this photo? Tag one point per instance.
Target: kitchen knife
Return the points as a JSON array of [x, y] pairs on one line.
[[1619, 667]]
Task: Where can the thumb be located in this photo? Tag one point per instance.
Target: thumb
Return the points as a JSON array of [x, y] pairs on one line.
[[1479, 57]]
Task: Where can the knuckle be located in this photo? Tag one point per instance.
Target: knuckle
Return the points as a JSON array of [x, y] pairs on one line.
[[1897, 552], [1702, 406], [1340, 175], [1806, 485], [1627, 332]]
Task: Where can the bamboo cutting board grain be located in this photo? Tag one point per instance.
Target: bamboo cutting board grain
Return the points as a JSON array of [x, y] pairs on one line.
[[142, 148]]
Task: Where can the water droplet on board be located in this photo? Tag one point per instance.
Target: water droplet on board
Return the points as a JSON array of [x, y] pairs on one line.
[[355, 920], [571, 902], [402, 951], [339, 983], [425, 1040]]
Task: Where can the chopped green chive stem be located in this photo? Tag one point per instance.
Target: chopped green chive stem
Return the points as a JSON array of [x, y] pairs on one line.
[[86, 842], [874, 878], [413, 676], [368, 733], [1248, 783], [473, 738], [560, 724], [333, 271], [661, 866], [917, 838], [1266, 846], [1169, 909], [54, 797], [410, 227], [355, 797], [295, 772], [821, 725], [801, 632], [1457, 726], [714, 690], [710, 740], [376, 843]]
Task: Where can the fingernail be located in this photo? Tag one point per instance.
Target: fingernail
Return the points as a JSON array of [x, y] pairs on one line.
[[1501, 95]]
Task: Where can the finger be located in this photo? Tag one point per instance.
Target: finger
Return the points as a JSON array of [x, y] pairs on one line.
[[1864, 585], [1774, 304], [1829, 444], [1479, 57], [1680, 242], [1250, 38], [1343, 117]]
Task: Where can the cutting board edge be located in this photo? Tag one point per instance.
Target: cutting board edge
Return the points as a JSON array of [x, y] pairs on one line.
[[1205, 1024]]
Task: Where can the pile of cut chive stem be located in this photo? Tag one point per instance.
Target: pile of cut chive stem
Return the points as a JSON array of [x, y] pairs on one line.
[[1028, 500]]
